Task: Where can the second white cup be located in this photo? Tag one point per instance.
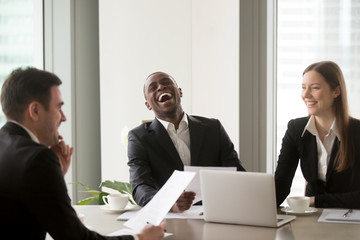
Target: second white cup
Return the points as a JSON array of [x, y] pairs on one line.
[[116, 201], [299, 204]]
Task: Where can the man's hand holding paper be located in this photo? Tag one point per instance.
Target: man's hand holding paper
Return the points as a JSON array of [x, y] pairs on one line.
[[184, 202], [194, 185]]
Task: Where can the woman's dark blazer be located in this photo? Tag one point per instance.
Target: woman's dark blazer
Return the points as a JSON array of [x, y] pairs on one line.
[[341, 189]]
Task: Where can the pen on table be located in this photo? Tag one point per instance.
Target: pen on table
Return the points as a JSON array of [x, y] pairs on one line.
[[347, 213]]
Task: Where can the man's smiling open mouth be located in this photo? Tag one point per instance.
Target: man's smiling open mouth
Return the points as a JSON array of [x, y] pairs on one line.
[[164, 97]]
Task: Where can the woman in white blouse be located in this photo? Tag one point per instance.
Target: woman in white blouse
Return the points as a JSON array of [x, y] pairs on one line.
[[327, 143]]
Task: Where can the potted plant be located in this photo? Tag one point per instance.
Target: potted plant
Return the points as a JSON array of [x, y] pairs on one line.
[[122, 187]]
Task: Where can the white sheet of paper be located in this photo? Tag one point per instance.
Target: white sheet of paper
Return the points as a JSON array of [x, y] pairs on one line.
[[155, 211], [194, 185], [126, 231], [195, 212], [336, 216]]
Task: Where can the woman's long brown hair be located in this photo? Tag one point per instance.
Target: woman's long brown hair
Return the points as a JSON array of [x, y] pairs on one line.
[[334, 77]]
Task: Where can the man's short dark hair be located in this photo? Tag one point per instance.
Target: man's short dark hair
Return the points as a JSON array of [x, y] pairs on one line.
[[22, 87]]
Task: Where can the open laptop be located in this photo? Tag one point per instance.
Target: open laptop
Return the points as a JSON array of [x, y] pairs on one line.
[[246, 198]]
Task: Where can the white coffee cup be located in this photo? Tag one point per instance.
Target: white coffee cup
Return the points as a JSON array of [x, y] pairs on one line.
[[298, 203], [116, 201]]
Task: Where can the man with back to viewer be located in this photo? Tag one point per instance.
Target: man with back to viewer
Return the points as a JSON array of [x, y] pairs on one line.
[[33, 160], [172, 140]]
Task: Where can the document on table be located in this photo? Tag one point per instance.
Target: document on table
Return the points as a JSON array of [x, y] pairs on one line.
[[195, 212], [155, 211], [337, 216], [194, 185], [127, 231]]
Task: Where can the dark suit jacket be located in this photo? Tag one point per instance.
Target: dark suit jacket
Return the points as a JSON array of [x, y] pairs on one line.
[[33, 194], [341, 189], [153, 156]]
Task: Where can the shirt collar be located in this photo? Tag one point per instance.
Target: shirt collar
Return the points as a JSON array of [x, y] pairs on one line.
[[166, 123], [32, 135], [311, 127]]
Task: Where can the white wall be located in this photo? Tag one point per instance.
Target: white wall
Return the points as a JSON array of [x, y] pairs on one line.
[[137, 37], [215, 62], [197, 42]]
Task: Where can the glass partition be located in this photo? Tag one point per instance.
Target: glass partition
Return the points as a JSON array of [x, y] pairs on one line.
[[21, 37], [311, 31]]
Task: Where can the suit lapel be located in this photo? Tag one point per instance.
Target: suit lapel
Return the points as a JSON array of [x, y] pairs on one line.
[[161, 136], [309, 154], [196, 130], [334, 151]]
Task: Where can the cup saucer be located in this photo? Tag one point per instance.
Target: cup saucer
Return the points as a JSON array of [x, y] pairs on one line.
[[108, 209], [288, 210]]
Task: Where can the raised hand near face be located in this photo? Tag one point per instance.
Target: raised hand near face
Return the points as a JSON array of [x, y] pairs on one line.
[[64, 153]]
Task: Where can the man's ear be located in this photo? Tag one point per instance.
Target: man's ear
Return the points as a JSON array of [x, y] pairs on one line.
[[180, 92], [148, 105], [33, 110]]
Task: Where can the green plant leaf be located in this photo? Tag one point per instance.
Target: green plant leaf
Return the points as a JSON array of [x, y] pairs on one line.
[[122, 187], [85, 186], [100, 199], [86, 201], [93, 192], [132, 201]]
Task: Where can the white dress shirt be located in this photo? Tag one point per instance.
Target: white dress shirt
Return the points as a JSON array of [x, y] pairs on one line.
[[180, 138], [323, 148]]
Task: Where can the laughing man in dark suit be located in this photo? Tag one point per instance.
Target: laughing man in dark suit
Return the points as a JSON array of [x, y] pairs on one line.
[[172, 140]]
